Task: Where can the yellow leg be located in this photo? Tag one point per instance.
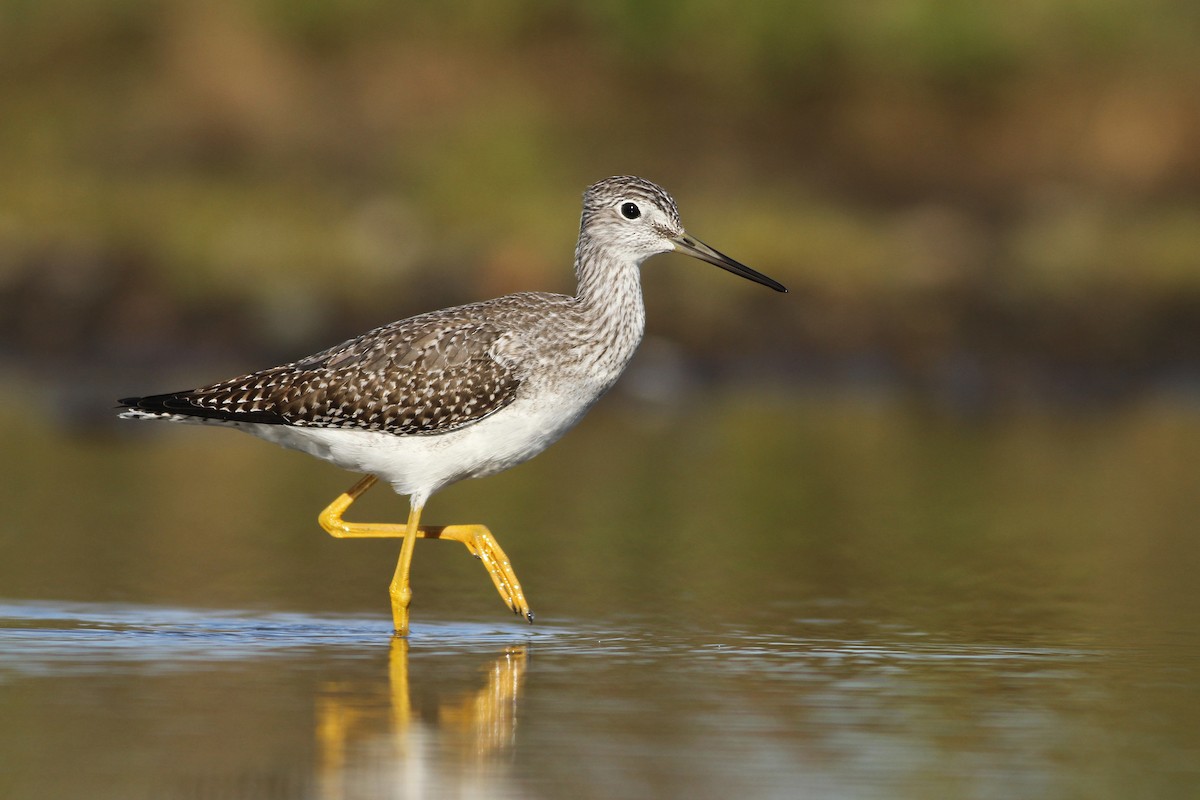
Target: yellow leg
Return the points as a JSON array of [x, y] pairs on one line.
[[477, 539], [400, 590], [483, 545]]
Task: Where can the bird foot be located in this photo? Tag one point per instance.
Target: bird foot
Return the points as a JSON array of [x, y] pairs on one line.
[[483, 545]]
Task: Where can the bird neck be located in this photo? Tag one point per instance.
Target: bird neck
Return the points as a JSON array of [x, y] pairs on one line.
[[607, 280], [610, 314]]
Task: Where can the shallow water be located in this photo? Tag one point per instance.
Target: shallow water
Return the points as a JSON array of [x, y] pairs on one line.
[[854, 601]]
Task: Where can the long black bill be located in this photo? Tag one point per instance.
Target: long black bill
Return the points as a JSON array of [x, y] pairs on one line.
[[698, 249]]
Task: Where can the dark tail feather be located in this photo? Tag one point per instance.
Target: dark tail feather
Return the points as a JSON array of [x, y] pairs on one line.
[[182, 404]]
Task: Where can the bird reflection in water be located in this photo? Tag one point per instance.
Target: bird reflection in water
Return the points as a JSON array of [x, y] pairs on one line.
[[371, 743]]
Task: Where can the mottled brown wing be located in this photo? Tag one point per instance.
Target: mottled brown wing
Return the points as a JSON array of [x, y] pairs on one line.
[[426, 375]]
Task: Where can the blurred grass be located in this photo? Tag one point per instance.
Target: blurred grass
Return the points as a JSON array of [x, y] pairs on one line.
[[880, 158]]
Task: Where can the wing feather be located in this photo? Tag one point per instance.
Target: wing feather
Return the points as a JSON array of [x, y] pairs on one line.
[[425, 375]]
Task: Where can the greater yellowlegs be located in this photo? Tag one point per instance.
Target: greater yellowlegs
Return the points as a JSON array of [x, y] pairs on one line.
[[463, 392]]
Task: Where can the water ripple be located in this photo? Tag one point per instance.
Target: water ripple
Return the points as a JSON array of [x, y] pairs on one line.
[[56, 637], [53, 637]]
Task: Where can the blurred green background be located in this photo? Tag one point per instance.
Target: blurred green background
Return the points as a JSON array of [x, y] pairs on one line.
[[958, 458], [989, 219], [979, 206]]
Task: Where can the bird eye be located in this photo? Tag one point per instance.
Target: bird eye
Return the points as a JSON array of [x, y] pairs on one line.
[[630, 211]]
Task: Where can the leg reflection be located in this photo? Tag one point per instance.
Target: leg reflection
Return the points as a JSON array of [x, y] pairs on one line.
[[369, 738]]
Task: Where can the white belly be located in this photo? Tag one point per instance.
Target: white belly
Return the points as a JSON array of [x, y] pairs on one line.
[[420, 465]]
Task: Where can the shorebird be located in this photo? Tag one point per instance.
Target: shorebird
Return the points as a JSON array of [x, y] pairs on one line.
[[463, 392]]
